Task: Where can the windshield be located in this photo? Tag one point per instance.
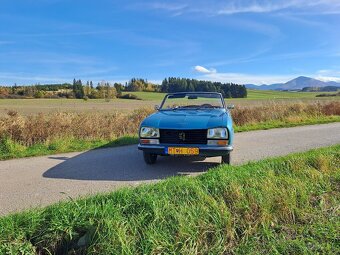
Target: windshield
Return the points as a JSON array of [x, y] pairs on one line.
[[192, 101]]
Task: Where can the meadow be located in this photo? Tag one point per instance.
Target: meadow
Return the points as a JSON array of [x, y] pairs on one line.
[[35, 106], [149, 99], [252, 94], [287, 205]]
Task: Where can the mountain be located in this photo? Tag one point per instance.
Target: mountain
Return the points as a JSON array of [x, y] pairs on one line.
[[295, 84], [301, 82], [264, 86]]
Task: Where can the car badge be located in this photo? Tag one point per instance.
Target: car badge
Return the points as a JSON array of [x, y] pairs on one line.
[[181, 136]]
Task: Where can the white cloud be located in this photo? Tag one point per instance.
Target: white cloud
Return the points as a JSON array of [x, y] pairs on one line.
[[243, 78], [328, 75], [245, 6], [202, 69], [256, 7], [328, 78], [268, 6], [176, 8], [259, 79], [240, 78], [167, 6], [21, 78], [11, 78]]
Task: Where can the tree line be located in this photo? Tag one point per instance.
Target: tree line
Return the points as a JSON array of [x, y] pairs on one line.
[[228, 90], [106, 90], [65, 90], [172, 84]]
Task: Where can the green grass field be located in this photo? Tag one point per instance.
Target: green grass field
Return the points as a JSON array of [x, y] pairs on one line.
[[287, 205], [34, 106], [252, 94], [271, 94]]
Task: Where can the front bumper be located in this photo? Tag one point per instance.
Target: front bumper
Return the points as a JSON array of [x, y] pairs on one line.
[[206, 151]]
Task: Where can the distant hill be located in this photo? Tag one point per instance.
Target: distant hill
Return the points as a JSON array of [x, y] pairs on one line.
[[275, 86], [321, 89], [296, 84]]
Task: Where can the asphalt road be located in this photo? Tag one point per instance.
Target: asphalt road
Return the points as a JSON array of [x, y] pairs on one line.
[[33, 182]]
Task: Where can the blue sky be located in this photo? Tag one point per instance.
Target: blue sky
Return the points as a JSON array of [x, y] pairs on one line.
[[49, 41]]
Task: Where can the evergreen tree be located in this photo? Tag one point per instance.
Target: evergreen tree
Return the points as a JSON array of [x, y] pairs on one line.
[[172, 84], [78, 89]]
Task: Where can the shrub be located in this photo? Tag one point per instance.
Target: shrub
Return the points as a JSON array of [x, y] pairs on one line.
[[130, 96], [332, 108], [39, 94], [8, 147]]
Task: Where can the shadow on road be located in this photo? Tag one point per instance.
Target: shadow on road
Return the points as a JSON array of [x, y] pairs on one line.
[[123, 164]]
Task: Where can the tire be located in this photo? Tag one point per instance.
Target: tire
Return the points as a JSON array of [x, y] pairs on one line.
[[226, 159], [149, 158]]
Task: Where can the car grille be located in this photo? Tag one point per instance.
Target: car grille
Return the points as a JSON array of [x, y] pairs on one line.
[[174, 136]]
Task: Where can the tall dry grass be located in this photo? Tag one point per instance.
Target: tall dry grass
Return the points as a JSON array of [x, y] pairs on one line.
[[282, 112], [42, 128]]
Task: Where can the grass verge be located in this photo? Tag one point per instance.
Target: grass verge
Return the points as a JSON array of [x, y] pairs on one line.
[[287, 205], [289, 122], [10, 149]]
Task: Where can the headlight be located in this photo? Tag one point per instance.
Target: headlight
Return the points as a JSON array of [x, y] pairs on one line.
[[218, 133], [149, 132]]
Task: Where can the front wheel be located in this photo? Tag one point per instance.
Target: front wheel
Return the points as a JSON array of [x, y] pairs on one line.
[[149, 158], [226, 159]]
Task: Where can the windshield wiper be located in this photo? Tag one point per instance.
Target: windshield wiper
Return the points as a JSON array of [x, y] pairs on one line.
[[189, 106], [208, 107]]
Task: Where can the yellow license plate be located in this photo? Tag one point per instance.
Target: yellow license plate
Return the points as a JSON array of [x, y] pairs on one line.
[[183, 151]]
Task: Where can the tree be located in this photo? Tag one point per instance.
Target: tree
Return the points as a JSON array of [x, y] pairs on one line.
[[39, 94], [87, 89], [119, 88], [78, 89], [137, 84]]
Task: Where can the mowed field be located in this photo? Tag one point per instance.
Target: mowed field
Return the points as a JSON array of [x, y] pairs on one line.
[[149, 99], [252, 94]]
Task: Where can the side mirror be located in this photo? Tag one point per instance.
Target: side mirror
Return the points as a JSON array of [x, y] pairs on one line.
[[230, 106], [156, 107]]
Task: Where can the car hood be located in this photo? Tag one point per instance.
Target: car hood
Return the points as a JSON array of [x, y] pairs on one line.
[[187, 119]]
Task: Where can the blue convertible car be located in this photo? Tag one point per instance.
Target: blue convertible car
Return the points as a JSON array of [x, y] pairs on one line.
[[188, 123]]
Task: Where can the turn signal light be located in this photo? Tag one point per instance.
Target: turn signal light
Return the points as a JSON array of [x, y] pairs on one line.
[[149, 141], [222, 142], [218, 142]]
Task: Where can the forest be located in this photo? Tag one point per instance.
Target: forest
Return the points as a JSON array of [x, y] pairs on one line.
[[108, 90], [172, 84], [228, 90]]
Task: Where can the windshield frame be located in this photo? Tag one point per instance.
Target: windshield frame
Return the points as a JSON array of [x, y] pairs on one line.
[[188, 94]]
